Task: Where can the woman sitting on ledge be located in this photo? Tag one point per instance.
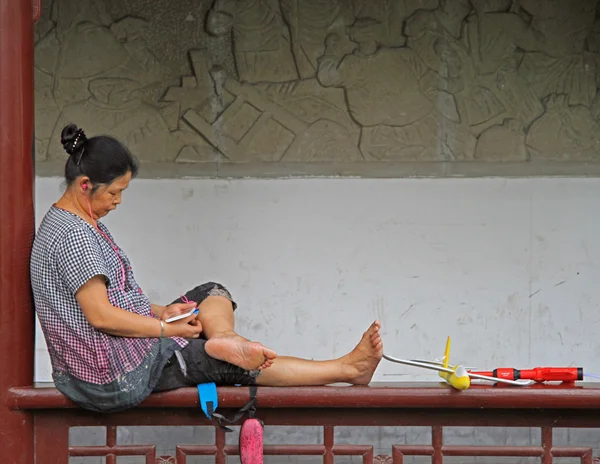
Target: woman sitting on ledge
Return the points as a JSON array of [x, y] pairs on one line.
[[109, 346]]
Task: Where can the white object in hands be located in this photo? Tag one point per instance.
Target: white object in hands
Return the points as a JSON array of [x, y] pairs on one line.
[[184, 315]]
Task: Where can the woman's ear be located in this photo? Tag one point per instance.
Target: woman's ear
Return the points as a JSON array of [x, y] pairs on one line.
[[85, 184]]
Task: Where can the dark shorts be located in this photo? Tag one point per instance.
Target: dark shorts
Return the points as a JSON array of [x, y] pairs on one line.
[[193, 365]]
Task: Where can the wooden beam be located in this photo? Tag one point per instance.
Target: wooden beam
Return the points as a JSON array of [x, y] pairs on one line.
[[16, 222]]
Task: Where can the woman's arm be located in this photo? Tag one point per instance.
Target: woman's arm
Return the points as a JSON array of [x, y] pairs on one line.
[[158, 310], [174, 309], [102, 315]]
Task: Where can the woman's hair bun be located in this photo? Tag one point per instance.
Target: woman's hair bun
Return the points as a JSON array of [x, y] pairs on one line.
[[72, 139]]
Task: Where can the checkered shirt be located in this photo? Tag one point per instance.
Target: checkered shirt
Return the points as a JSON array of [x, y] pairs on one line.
[[67, 252]]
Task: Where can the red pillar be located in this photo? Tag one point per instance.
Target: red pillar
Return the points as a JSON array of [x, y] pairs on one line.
[[16, 222]]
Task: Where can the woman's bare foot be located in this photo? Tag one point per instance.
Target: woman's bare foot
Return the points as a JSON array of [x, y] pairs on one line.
[[361, 362], [236, 350]]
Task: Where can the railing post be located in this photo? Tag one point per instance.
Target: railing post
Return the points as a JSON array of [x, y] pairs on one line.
[[52, 438], [16, 222]]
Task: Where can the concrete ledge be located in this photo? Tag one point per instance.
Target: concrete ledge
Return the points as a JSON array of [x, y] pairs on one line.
[[381, 170]]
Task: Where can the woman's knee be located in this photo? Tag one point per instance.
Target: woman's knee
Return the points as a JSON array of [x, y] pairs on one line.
[[210, 289]]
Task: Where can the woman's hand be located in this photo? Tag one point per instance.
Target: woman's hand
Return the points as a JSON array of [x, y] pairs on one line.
[[176, 309], [188, 327], [102, 315]]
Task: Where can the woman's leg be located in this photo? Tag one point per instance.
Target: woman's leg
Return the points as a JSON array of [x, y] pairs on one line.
[[218, 324], [216, 308], [357, 367], [217, 319], [216, 316]]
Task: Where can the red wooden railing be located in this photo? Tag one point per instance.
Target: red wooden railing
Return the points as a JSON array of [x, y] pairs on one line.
[[546, 407]]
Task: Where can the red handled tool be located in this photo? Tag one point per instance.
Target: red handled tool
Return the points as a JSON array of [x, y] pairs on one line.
[[537, 374]]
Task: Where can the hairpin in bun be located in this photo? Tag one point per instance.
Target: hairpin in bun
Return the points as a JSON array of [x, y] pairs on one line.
[[73, 139]]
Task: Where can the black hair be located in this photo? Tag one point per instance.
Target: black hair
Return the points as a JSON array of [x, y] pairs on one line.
[[103, 159]]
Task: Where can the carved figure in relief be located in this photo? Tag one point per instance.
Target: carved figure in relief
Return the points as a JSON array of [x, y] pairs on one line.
[[309, 22], [476, 103], [202, 92], [310, 101], [564, 133], [424, 28], [254, 127], [260, 38], [384, 96], [496, 39], [449, 68], [493, 35], [391, 14], [558, 63], [504, 142], [479, 69], [485, 100], [293, 121], [86, 45], [115, 107]]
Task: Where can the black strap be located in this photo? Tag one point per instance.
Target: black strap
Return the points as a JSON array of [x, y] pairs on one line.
[[249, 407]]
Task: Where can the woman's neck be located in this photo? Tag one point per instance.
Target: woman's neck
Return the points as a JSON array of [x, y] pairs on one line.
[[69, 202]]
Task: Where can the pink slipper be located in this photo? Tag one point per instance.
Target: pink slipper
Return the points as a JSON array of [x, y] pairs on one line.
[[251, 442]]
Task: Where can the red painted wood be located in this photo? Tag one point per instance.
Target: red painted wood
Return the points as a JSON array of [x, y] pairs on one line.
[[328, 437], [366, 451], [437, 441], [349, 417], [506, 451], [548, 408], [584, 454], [16, 222], [547, 445], [404, 395], [111, 442], [221, 443], [111, 452], [182, 451], [414, 450], [397, 456], [495, 451], [51, 439], [52, 433], [399, 451], [288, 450]]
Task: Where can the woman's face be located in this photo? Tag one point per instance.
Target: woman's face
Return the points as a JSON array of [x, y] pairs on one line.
[[106, 197]]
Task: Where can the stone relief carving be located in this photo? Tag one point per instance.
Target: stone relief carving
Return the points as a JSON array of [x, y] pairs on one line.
[[260, 39], [564, 132], [309, 22], [325, 80]]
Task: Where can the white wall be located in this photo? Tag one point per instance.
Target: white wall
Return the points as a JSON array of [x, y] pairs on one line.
[[509, 268]]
